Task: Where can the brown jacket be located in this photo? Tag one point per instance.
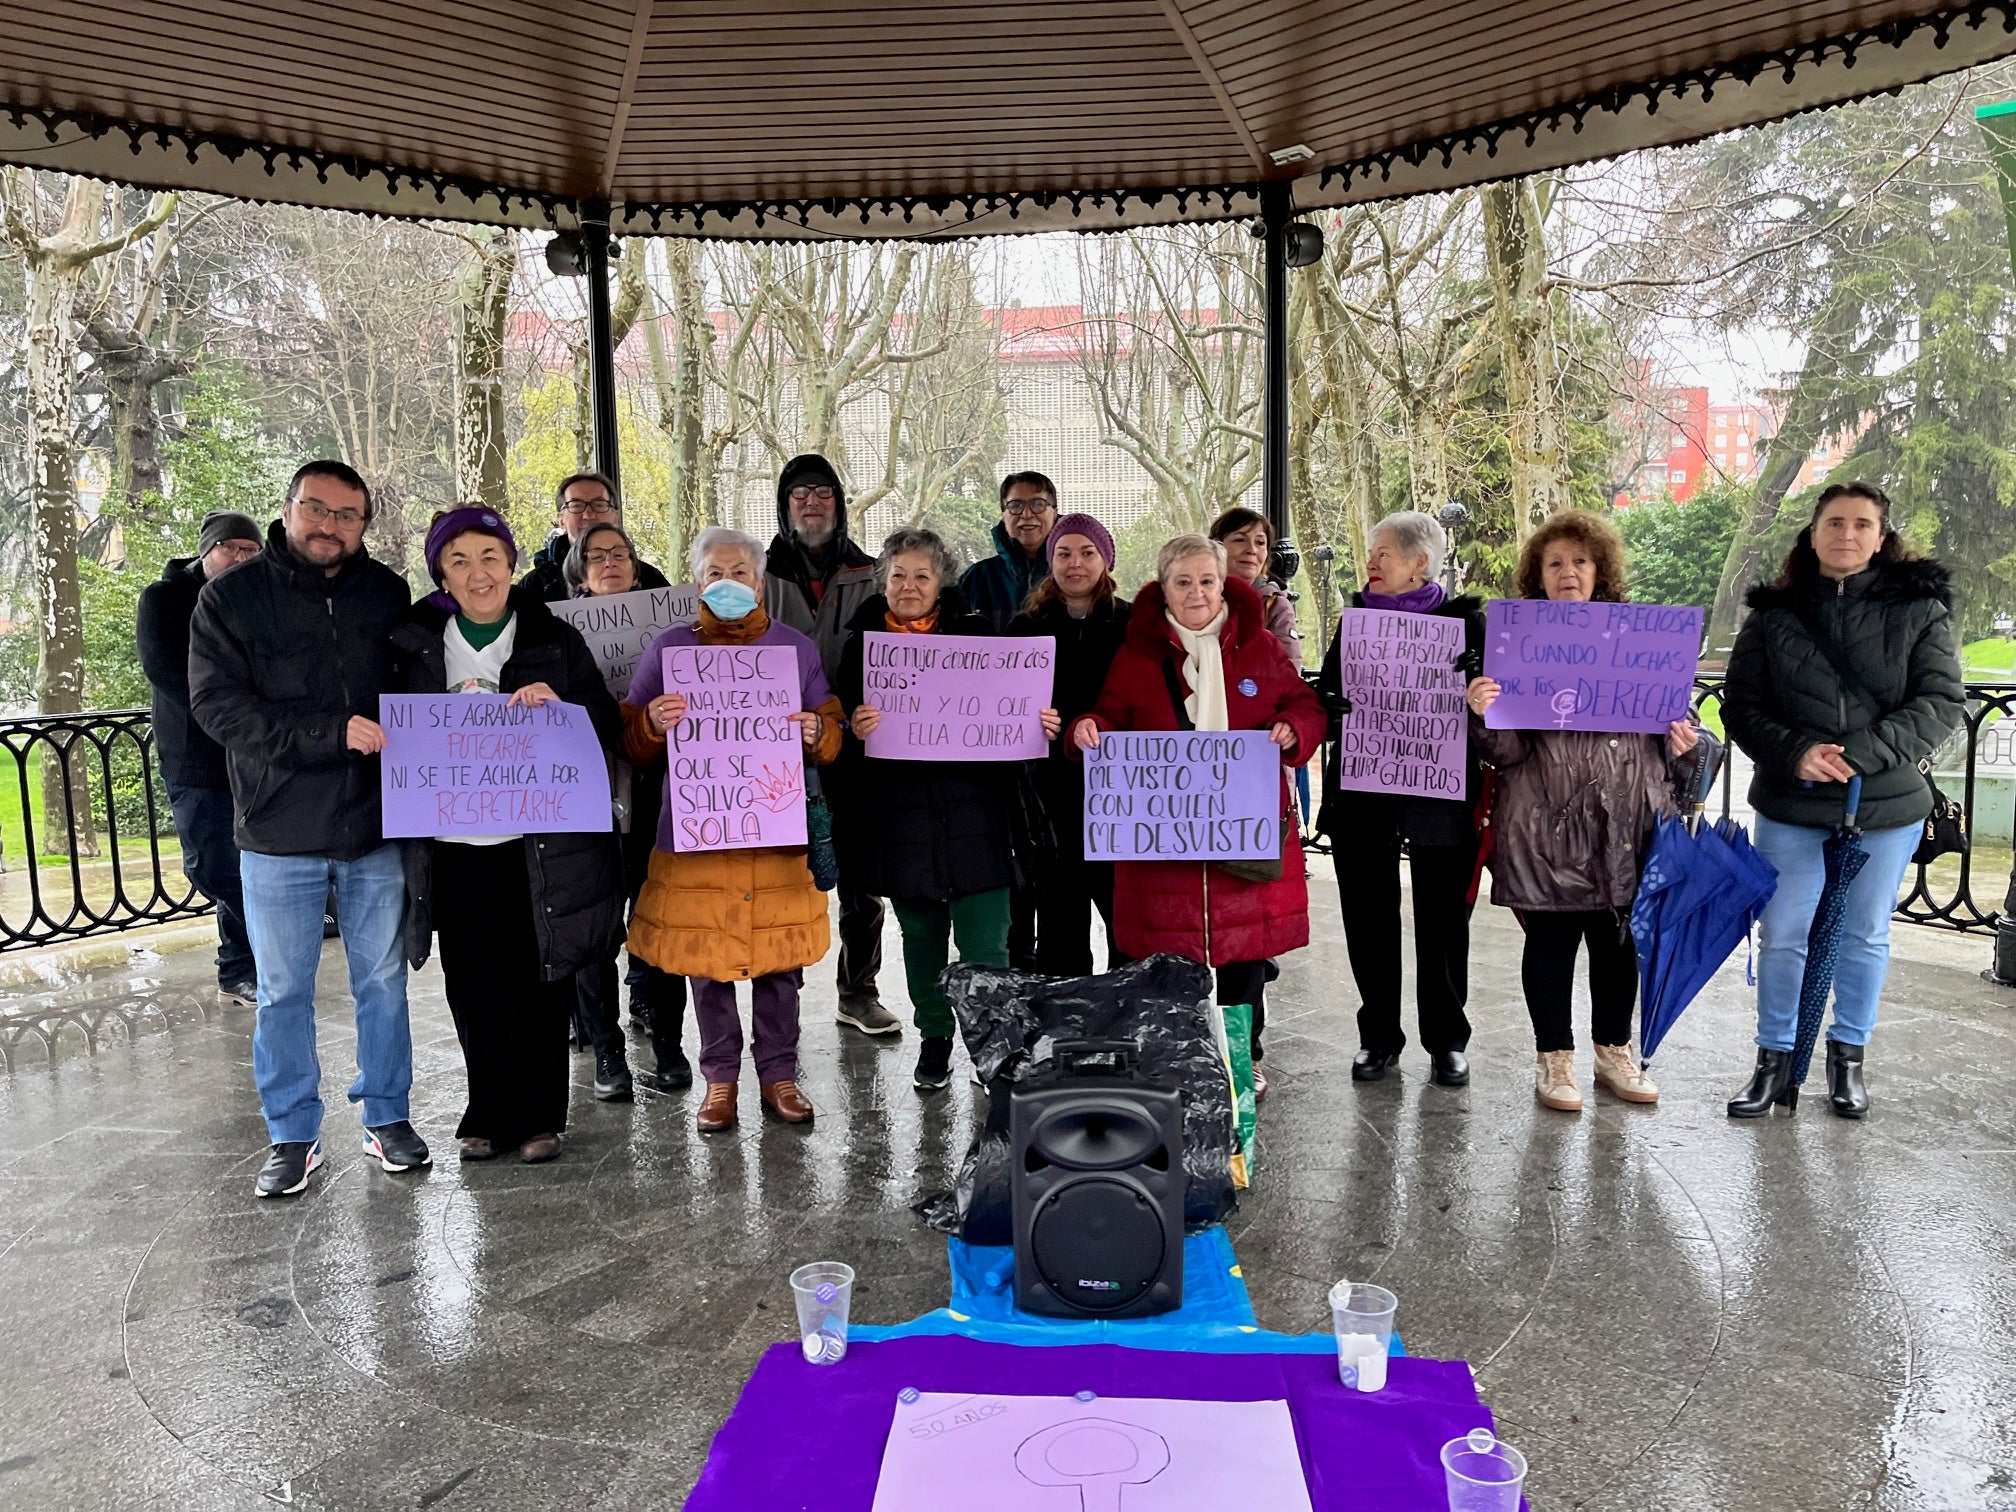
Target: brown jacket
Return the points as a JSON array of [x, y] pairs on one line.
[[1574, 810], [729, 915]]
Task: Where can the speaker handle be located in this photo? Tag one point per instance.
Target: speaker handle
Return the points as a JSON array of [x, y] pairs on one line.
[[1096, 1057]]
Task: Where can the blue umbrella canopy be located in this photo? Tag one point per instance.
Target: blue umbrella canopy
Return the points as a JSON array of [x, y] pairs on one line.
[[1699, 895], [1843, 858]]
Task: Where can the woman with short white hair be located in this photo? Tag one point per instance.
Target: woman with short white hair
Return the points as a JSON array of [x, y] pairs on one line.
[[1403, 562]]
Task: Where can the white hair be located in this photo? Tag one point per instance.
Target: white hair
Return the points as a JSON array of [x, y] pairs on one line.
[[1183, 547], [1414, 534], [716, 537]]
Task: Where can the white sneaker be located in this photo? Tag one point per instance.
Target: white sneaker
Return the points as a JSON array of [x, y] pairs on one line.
[[1618, 1072], [1554, 1081]]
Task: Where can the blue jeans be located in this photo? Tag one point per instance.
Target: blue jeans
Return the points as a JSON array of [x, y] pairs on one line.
[[284, 896], [210, 860], [1865, 931]]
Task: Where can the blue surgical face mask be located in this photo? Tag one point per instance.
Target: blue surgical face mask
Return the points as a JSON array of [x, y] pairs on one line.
[[728, 599]]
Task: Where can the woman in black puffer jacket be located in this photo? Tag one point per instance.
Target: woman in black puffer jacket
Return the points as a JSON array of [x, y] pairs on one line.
[[1846, 667]]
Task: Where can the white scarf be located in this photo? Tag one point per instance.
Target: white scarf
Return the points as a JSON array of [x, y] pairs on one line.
[[1204, 670]]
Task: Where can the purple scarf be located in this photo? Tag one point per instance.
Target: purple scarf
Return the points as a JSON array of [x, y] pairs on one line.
[[1423, 600]]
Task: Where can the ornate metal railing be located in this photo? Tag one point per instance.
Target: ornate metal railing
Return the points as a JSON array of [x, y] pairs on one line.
[[91, 862], [1984, 747]]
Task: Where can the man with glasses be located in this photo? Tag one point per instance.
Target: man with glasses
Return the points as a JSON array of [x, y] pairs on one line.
[[580, 501], [999, 586], [192, 764], [815, 580], [288, 653]]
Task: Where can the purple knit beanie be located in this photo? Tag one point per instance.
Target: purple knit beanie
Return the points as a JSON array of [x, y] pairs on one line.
[[1081, 525], [460, 520]]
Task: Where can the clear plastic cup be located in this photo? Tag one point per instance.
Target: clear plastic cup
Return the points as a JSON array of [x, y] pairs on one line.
[[1363, 1316], [823, 1290], [1485, 1474]]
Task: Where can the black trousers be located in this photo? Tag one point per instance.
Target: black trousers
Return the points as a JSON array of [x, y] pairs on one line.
[[512, 1024], [1246, 982], [665, 997], [1368, 889], [1063, 899], [1548, 971], [1023, 902], [861, 916]]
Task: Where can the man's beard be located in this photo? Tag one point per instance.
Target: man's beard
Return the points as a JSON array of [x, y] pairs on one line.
[[817, 537]]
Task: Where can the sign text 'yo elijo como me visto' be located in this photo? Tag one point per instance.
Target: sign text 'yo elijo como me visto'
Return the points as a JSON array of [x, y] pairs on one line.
[[1406, 729], [472, 764], [735, 774], [957, 697], [1563, 665], [1183, 795], [619, 627]]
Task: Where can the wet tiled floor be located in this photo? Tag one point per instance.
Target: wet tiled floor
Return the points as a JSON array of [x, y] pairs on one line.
[[1666, 1309]]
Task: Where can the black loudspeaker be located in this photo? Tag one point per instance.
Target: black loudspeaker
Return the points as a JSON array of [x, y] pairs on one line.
[[1098, 1186]]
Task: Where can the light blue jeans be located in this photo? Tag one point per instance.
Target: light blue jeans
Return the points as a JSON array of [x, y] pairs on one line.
[[1865, 930], [284, 898]]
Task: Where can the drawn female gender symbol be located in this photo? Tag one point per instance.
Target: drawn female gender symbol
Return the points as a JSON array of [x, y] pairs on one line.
[[1097, 1457], [1566, 705]]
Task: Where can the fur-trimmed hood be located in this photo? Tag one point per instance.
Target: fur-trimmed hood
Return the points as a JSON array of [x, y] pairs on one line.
[[1148, 627], [1885, 582]]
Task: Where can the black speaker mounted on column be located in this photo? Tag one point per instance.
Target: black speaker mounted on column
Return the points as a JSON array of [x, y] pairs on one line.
[[1098, 1186]]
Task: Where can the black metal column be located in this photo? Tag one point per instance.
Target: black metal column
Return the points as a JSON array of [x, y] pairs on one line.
[[1276, 209], [601, 346]]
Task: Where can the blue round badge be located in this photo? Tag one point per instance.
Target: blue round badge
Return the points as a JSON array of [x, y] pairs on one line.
[[1087, 1396], [907, 1396], [1248, 686]]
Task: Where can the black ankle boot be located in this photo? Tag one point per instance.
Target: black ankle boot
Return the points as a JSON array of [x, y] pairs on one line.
[[1850, 1098], [1770, 1083]]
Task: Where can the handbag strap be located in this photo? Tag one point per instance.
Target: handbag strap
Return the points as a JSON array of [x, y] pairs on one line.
[[1183, 719]]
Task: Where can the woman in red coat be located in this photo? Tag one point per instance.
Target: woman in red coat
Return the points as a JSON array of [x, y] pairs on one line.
[[1232, 675]]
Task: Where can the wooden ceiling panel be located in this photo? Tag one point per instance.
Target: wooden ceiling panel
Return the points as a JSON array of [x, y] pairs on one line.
[[524, 110]]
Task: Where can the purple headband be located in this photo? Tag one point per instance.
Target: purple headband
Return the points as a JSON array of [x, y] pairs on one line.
[[460, 521], [1081, 525]]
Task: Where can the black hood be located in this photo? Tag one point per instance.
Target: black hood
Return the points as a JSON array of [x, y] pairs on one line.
[[1891, 582], [175, 569], [810, 467]]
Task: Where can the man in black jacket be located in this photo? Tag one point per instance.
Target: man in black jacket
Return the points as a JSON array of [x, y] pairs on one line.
[[580, 501], [815, 580], [192, 764], [287, 657]]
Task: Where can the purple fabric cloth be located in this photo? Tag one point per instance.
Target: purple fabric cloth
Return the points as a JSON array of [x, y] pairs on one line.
[[1376, 1451], [1423, 600], [649, 681], [773, 1026]]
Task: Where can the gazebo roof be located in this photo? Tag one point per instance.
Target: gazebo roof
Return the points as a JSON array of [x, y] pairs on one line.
[[822, 117]]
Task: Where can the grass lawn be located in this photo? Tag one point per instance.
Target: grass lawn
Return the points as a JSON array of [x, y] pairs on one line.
[[1989, 660]]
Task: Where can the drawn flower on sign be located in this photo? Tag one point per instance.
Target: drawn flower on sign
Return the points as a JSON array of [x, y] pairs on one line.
[[777, 789]]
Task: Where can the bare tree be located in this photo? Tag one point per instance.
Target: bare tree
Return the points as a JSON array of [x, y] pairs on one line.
[[482, 315], [1523, 317]]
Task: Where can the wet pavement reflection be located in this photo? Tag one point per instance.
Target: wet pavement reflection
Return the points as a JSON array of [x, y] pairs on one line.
[[1666, 1309]]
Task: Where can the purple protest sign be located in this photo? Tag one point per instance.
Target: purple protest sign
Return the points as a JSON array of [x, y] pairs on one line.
[[957, 697], [1406, 731], [1166, 795], [1570, 666], [735, 774], [470, 764]]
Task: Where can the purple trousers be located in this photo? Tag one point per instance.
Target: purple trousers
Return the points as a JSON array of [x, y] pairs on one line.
[[773, 1016]]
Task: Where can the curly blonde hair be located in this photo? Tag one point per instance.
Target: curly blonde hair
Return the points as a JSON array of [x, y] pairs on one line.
[[1595, 535]]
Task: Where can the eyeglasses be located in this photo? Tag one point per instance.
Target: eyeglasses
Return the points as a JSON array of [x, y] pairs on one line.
[[817, 491], [588, 507], [616, 556], [349, 519], [1027, 506]]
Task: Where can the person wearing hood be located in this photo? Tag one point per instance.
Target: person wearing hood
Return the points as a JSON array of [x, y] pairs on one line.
[[288, 653], [751, 914], [517, 915], [1403, 562], [815, 580], [999, 586], [585, 499], [192, 764], [1845, 668], [933, 836]]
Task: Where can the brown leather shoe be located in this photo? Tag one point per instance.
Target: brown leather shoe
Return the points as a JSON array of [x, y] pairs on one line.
[[717, 1109], [539, 1149], [784, 1102]]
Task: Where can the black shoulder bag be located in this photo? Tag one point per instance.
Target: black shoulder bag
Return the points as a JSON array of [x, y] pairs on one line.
[[1246, 871], [1945, 831]]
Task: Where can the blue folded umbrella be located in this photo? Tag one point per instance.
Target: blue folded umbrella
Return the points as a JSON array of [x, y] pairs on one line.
[[1843, 858], [1700, 893]]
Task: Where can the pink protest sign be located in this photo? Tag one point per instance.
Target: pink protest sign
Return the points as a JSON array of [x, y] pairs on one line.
[[471, 764], [1172, 795], [1570, 666], [735, 774], [1407, 730], [957, 697]]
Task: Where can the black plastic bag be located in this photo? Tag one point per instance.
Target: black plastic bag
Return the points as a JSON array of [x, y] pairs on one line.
[[1011, 1020]]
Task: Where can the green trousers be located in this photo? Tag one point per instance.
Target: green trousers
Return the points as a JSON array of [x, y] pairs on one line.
[[978, 921]]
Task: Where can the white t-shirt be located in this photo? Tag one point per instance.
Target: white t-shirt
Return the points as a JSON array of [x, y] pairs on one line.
[[474, 671]]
